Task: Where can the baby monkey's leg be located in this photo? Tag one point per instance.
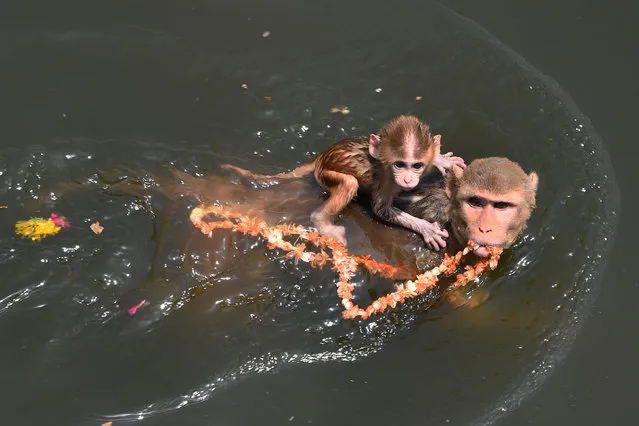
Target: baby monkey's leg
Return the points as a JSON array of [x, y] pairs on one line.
[[342, 189]]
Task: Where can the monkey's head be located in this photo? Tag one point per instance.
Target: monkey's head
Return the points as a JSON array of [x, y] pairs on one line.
[[405, 148], [491, 201]]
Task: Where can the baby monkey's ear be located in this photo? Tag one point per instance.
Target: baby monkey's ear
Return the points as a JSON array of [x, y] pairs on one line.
[[374, 145], [437, 144]]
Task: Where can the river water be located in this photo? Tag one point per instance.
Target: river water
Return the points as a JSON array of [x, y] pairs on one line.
[[101, 103]]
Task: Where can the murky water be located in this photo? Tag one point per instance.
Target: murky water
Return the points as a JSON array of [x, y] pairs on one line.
[[99, 105]]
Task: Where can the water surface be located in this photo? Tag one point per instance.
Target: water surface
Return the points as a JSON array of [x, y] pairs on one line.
[[97, 100]]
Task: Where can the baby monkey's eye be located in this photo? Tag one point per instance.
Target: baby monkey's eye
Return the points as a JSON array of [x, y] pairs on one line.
[[418, 166], [399, 165]]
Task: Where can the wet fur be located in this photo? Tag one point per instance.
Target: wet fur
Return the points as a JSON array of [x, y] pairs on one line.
[[364, 165]]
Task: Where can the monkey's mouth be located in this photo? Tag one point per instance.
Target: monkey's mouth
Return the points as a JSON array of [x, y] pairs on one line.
[[481, 251], [407, 187]]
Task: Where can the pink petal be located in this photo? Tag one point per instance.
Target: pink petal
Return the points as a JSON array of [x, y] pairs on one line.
[[60, 220], [132, 310]]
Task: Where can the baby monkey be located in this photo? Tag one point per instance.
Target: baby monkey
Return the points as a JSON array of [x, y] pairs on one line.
[[379, 166]]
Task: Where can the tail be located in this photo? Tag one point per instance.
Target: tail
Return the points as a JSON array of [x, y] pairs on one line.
[[293, 174]]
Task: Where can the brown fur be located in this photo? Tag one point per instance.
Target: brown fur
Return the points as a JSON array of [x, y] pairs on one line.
[[482, 176], [430, 203], [366, 165], [350, 157], [502, 180], [399, 130]]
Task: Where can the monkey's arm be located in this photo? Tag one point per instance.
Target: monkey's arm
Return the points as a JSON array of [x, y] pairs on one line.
[[432, 234]]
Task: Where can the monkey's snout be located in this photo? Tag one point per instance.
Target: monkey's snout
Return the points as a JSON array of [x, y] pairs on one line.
[[408, 185]]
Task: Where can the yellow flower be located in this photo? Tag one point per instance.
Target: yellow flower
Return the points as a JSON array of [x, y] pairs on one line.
[[36, 228]]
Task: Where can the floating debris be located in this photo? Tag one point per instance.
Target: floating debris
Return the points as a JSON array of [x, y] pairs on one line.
[[96, 228], [418, 98], [266, 34], [244, 86], [59, 220], [38, 228], [343, 110], [133, 309], [3, 207], [379, 90], [268, 98]]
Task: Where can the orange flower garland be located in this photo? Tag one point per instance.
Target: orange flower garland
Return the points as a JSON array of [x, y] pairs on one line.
[[343, 263]]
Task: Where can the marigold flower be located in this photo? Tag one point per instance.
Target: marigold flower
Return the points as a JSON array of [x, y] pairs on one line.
[[343, 263], [37, 228]]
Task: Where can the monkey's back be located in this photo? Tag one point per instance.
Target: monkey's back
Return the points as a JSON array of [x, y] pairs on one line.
[[349, 156], [429, 201]]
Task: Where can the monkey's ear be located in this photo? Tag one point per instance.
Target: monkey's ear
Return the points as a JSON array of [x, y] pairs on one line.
[[448, 188], [437, 139], [533, 181], [451, 180], [457, 171], [374, 145]]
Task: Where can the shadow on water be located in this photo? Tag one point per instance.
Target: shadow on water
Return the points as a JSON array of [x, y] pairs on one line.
[[96, 117]]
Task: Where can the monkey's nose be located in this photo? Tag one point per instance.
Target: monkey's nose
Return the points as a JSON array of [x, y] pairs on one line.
[[485, 230]]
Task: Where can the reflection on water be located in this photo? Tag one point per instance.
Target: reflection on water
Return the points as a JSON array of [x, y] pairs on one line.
[[113, 109]]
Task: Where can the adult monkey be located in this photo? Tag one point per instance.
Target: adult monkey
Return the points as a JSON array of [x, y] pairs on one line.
[[489, 202], [381, 166]]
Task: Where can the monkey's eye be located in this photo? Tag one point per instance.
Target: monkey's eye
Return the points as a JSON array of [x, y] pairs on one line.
[[418, 166], [475, 202], [501, 205], [399, 165]]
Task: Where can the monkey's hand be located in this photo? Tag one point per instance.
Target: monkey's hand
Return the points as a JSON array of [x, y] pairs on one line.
[[446, 161], [432, 234]]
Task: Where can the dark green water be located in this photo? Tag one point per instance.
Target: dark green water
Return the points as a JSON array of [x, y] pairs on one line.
[[97, 94]]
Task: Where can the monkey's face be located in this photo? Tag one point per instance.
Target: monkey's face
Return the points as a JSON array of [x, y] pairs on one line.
[[406, 149], [492, 200], [407, 174], [490, 219]]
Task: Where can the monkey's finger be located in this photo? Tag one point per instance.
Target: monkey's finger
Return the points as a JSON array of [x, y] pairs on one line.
[[448, 154], [431, 244], [441, 169], [439, 240], [436, 243], [459, 162]]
